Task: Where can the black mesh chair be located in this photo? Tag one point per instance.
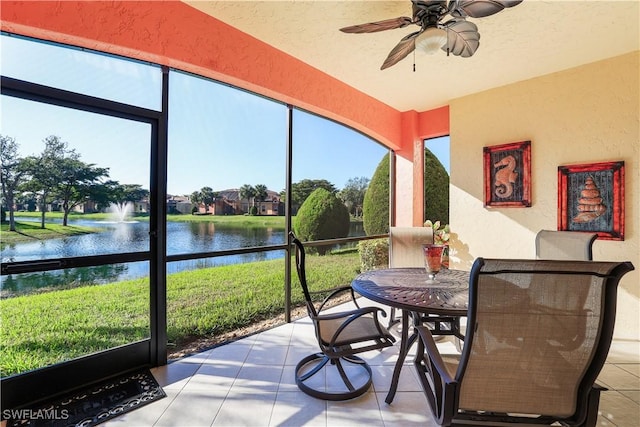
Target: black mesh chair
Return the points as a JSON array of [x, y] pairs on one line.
[[538, 336], [340, 335]]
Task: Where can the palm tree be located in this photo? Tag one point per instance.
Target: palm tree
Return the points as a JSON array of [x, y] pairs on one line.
[[247, 192], [208, 197], [260, 193]]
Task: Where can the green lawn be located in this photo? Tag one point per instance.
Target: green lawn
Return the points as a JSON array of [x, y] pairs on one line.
[[42, 329], [31, 231], [232, 220]]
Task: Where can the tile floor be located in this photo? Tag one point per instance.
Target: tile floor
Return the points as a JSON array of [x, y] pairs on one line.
[[250, 382]]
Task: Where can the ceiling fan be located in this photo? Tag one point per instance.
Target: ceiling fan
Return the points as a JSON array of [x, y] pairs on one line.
[[455, 35]]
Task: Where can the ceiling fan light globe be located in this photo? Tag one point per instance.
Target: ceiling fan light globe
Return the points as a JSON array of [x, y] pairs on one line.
[[431, 40]]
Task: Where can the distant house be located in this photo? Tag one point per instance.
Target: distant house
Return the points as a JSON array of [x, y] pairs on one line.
[[141, 206], [87, 207], [178, 205], [272, 204], [229, 202]]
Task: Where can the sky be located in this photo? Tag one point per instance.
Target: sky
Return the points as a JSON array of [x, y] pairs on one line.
[[219, 136]]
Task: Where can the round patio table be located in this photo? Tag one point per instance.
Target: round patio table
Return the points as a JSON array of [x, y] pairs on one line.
[[440, 304]]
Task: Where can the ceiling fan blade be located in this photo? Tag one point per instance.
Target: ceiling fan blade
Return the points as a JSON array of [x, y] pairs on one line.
[[374, 27], [401, 50], [482, 8], [463, 38]]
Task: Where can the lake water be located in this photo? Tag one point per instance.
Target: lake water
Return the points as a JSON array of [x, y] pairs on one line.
[[133, 236]]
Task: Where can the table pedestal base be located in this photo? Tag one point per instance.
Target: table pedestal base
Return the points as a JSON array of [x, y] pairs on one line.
[[406, 341]]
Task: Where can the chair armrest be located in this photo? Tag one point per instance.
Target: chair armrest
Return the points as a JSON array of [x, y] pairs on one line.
[[439, 386], [333, 293], [434, 355], [351, 313]]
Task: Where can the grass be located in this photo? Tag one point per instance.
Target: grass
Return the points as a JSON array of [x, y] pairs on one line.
[[232, 220], [72, 215], [31, 231], [43, 329]]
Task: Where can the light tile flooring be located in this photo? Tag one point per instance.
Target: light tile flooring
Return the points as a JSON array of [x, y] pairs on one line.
[[250, 382]]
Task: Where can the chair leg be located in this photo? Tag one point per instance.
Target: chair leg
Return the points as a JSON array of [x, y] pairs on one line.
[[320, 361], [592, 406], [392, 319], [315, 369]]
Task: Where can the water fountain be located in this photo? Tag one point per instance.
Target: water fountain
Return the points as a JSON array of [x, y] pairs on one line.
[[120, 212]]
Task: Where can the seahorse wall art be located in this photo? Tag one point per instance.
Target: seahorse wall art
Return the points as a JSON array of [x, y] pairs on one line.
[[505, 177], [590, 204]]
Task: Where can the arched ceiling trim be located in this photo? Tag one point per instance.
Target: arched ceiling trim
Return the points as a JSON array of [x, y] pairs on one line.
[[177, 35]]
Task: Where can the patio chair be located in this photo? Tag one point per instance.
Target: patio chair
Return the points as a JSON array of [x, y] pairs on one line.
[[535, 349], [405, 250], [340, 335], [405, 246], [567, 245]]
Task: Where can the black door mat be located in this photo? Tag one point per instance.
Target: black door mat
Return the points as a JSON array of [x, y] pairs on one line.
[[91, 406]]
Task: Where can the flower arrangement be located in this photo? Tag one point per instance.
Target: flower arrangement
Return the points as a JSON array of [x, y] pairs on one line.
[[441, 236], [440, 233]]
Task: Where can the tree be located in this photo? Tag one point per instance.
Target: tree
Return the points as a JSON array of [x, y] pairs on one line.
[[260, 193], [301, 190], [322, 216], [376, 200], [375, 210], [436, 189], [208, 196], [77, 183], [12, 174], [196, 199], [247, 192], [130, 193], [26, 201], [205, 196], [353, 194], [107, 193], [45, 171]]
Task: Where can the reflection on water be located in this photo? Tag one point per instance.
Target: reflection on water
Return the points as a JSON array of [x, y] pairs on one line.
[[69, 278], [122, 237], [116, 238]]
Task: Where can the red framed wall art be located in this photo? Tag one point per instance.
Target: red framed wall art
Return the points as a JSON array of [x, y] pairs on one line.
[[591, 198], [507, 175]]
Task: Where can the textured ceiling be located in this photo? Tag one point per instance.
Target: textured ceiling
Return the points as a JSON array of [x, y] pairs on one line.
[[534, 38]]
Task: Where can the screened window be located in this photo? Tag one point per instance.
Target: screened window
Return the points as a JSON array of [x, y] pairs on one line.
[[78, 70]]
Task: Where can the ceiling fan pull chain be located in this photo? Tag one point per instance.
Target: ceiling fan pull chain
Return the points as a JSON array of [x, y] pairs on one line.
[[414, 60]]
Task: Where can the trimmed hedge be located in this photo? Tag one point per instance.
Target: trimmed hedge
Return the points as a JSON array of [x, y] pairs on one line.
[[322, 216], [375, 209], [436, 189], [436, 195]]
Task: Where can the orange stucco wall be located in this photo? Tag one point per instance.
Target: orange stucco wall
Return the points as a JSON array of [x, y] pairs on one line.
[[416, 127], [175, 34]]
